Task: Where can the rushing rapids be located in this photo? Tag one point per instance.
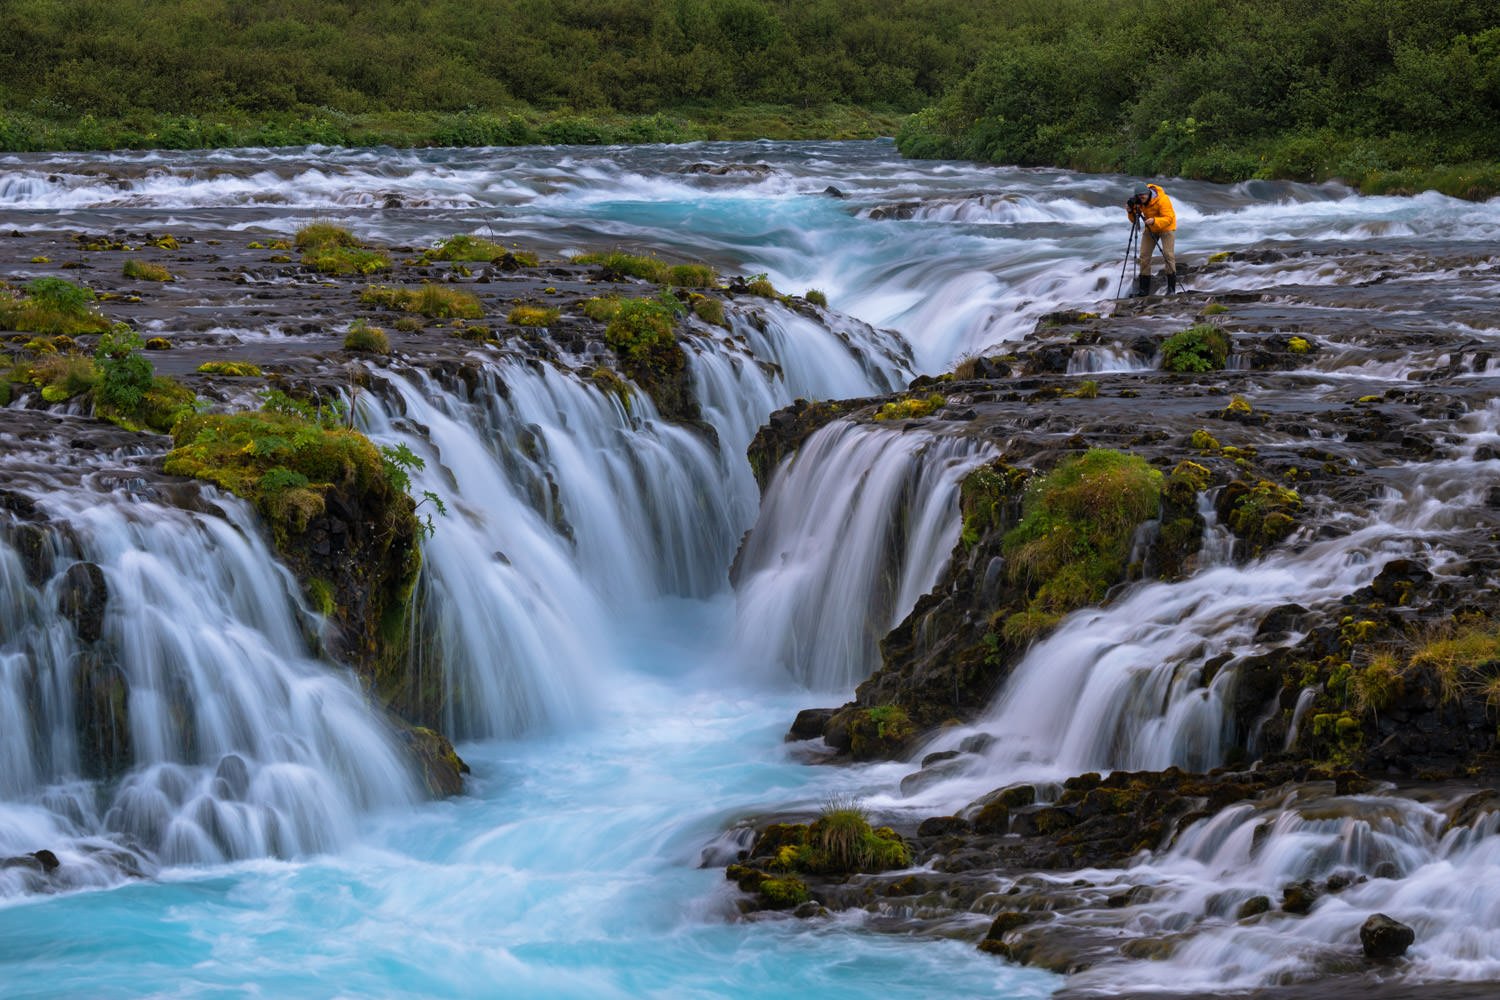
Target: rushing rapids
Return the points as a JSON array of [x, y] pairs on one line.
[[574, 623]]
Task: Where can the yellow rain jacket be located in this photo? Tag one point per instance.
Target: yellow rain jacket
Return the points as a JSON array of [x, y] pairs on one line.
[[1158, 213]]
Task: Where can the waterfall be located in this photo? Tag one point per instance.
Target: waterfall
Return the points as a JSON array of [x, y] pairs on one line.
[[568, 511], [193, 681], [1126, 687], [852, 530]]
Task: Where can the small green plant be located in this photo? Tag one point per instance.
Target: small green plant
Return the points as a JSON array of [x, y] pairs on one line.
[[816, 297], [145, 271], [1215, 309], [1087, 389], [641, 326], [124, 373], [363, 338], [1298, 345], [533, 316], [1200, 348], [759, 284], [1204, 441], [399, 462]]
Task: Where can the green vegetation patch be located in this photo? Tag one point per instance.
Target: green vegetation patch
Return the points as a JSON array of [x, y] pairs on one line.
[[321, 236], [1073, 540], [710, 311], [465, 247], [280, 459], [51, 306], [363, 338], [233, 369], [1261, 513], [144, 271], [983, 497], [911, 408], [434, 301], [640, 327], [344, 261], [1200, 348], [533, 316]]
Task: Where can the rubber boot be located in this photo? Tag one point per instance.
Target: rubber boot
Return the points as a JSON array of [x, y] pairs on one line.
[[1142, 287], [1171, 282]]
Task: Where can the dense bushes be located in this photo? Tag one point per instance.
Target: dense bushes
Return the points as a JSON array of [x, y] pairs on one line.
[[191, 73], [1226, 91]]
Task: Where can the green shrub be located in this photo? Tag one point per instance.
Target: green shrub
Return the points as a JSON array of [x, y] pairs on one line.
[[1199, 348], [816, 297], [124, 373]]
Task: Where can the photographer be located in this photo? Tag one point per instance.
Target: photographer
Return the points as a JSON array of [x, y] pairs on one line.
[[1152, 209]]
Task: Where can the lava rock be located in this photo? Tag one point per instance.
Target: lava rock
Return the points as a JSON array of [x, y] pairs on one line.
[[1384, 937], [810, 723], [941, 826]]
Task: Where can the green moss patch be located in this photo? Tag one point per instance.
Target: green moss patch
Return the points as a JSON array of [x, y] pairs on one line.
[[911, 408], [1074, 537]]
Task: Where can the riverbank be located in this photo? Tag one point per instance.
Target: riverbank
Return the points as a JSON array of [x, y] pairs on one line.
[[21, 132]]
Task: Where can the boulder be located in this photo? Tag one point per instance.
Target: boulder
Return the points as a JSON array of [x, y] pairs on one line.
[[810, 723], [1384, 937], [82, 598]]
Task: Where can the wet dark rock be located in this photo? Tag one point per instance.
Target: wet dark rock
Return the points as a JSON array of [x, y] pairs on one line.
[[1397, 579], [1279, 621], [730, 169], [941, 826], [810, 723], [81, 598], [43, 861], [833, 192], [1253, 907], [1382, 937], [1298, 897]]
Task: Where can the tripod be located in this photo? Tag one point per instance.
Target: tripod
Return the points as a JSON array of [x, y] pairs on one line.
[[1130, 247]]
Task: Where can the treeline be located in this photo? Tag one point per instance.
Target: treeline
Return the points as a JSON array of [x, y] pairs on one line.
[[143, 63], [1387, 94]]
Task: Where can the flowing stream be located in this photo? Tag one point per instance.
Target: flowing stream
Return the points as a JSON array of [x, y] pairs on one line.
[[621, 704]]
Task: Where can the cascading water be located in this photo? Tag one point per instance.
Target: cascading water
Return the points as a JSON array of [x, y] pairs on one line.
[[576, 592], [190, 691], [852, 531]]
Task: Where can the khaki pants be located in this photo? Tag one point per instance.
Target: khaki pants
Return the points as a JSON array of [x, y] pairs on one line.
[[1168, 241]]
